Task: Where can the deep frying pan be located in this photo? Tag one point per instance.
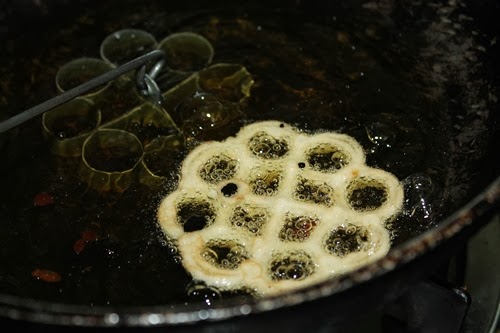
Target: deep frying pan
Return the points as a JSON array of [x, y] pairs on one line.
[[436, 65]]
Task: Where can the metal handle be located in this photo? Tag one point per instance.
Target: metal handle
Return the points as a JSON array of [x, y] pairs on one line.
[[82, 89]]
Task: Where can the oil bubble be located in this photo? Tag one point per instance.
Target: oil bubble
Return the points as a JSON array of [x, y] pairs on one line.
[[381, 135], [204, 294], [205, 110], [418, 190], [204, 114]]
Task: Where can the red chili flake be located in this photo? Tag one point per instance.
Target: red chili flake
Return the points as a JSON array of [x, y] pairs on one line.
[[79, 246], [43, 199], [46, 275], [89, 235]]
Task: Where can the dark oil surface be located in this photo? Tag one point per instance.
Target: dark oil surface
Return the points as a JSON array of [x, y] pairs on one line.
[[344, 69], [113, 159], [72, 126]]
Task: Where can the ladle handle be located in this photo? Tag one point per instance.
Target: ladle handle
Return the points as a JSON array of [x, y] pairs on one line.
[[79, 90]]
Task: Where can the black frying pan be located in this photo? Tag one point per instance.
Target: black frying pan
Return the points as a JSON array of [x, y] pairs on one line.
[[430, 80]]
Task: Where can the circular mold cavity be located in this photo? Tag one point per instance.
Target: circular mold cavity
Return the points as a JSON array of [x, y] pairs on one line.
[[224, 254], [266, 146], [294, 265], [186, 51], [366, 194], [327, 158], [250, 218], [195, 214], [110, 157], [297, 228], [218, 168], [265, 182], [112, 150], [79, 71], [125, 45], [314, 192], [346, 239], [68, 125]]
